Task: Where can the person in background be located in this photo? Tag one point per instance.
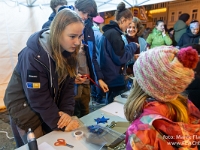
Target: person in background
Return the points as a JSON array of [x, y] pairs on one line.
[[97, 21], [55, 5], [134, 33], [114, 52], [146, 33], [40, 94], [158, 113], [180, 26], [158, 37], [193, 90], [96, 93], [88, 66], [192, 35], [171, 35]]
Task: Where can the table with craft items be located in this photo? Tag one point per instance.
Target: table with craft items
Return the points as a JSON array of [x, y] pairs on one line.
[[113, 111], [122, 98]]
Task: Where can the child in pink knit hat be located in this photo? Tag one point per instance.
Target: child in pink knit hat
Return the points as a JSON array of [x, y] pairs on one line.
[[162, 119]]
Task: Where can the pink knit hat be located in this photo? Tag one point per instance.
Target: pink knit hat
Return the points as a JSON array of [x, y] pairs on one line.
[[164, 72], [98, 19]]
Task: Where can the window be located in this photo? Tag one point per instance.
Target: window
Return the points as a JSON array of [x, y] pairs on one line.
[[155, 6], [172, 16], [179, 13], [194, 14]]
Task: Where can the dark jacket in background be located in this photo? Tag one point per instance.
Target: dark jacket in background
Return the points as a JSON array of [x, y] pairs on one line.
[[48, 23], [35, 65], [51, 17], [90, 49], [193, 90], [189, 38], [114, 55], [180, 28]]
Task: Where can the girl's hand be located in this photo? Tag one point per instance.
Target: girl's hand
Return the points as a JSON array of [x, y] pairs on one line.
[[79, 79], [163, 32], [136, 56], [138, 45], [74, 124], [103, 86], [64, 119]]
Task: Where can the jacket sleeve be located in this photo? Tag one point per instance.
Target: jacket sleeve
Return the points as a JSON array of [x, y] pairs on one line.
[[167, 40], [149, 39], [123, 56], [89, 37], [96, 64], [39, 98], [180, 43], [66, 101], [141, 140]]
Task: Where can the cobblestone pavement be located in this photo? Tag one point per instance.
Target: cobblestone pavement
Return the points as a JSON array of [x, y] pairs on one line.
[[5, 142]]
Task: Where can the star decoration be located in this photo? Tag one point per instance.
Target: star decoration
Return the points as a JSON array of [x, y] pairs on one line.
[[95, 129], [101, 120]]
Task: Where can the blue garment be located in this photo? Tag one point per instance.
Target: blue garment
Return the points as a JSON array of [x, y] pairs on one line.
[[97, 35], [51, 17], [48, 23], [114, 55], [189, 38], [96, 92], [36, 65], [90, 48]]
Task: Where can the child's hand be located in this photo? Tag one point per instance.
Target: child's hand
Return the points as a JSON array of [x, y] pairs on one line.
[[64, 120], [74, 124], [80, 79], [136, 56], [163, 32], [103, 86]]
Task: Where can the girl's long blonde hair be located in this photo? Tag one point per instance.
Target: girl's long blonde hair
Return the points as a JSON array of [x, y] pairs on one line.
[[137, 99], [64, 65]]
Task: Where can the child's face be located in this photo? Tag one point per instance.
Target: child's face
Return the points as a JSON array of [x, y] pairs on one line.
[[83, 15], [194, 30], [132, 29], [71, 36], [125, 24], [171, 32], [160, 26]]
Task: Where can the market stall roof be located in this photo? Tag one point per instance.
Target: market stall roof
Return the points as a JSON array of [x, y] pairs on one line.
[[107, 5]]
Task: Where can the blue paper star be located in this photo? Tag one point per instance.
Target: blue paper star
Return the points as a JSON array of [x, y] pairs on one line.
[[96, 129], [101, 120]]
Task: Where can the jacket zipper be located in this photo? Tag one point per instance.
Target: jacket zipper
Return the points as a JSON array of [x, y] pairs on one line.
[[59, 89], [49, 72]]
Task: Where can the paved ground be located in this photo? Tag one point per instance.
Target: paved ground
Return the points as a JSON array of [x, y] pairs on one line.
[[5, 143]]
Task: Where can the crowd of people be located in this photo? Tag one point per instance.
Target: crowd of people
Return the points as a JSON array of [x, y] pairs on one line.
[[72, 59]]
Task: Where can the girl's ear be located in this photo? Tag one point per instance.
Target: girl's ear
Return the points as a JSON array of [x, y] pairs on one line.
[[122, 20]]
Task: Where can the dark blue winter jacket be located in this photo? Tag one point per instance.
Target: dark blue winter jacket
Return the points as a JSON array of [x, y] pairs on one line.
[[189, 38], [36, 66], [114, 55], [48, 23], [90, 49], [51, 17]]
